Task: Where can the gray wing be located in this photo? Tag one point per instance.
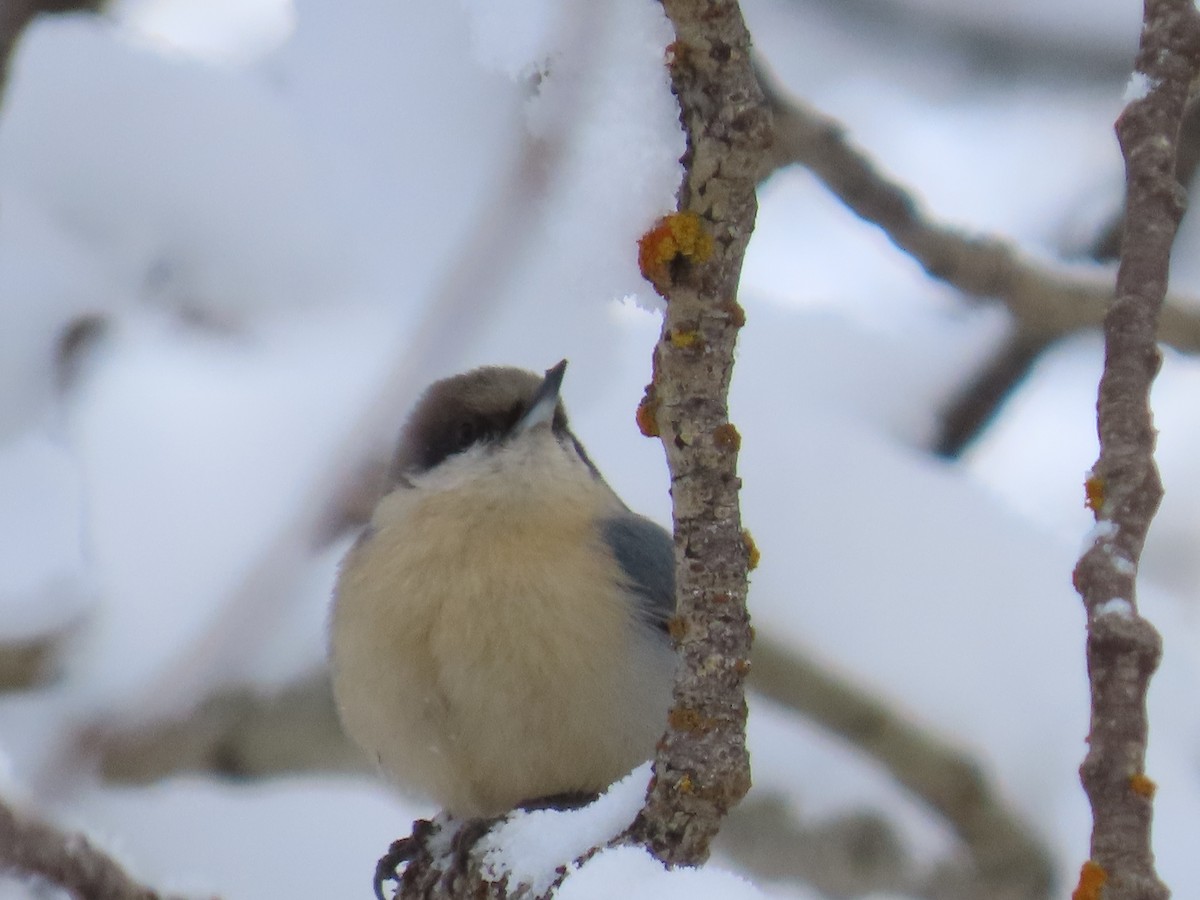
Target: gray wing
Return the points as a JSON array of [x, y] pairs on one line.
[[646, 553]]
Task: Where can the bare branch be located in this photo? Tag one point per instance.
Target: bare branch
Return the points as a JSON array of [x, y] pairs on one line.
[[1124, 488], [694, 259], [1044, 301], [240, 732], [31, 847], [1009, 860], [25, 663]]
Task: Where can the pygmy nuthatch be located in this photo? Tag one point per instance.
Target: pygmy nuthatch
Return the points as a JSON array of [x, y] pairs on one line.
[[499, 629]]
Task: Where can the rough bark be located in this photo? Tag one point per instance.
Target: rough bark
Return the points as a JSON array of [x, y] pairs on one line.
[[1124, 489], [694, 259]]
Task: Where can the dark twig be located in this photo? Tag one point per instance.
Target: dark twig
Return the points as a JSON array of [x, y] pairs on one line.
[[975, 405], [16, 14], [36, 849], [1124, 488], [694, 259]]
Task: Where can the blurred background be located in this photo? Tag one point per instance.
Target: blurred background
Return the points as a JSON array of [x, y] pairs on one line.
[[237, 239]]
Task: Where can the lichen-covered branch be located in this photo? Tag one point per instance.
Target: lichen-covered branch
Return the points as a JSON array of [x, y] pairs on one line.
[[32, 848], [1124, 489], [694, 259]]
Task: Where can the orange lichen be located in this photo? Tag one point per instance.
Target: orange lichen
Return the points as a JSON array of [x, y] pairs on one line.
[[1093, 490], [753, 555], [742, 667], [679, 237], [736, 313], [646, 415], [685, 785], [726, 437], [676, 627], [690, 720], [1092, 878], [685, 719], [1142, 785]]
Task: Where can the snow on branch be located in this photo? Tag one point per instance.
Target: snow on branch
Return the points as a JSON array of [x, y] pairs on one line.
[[694, 258], [1123, 488]]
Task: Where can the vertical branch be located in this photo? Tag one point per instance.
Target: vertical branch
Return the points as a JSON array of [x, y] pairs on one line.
[[694, 259], [1124, 488]]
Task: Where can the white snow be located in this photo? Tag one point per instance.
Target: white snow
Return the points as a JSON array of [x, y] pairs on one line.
[[530, 846], [1117, 606], [271, 206], [1140, 85]]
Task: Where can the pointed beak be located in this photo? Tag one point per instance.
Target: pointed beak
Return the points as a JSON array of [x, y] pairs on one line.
[[544, 400]]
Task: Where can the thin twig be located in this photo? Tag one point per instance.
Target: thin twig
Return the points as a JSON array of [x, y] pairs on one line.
[[694, 259], [33, 848], [1124, 488]]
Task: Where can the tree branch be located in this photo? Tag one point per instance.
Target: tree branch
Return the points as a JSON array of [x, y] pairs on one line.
[[976, 404], [34, 848], [16, 14], [1108, 245], [1008, 860], [1124, 488], [1046, 303], [694, 259]]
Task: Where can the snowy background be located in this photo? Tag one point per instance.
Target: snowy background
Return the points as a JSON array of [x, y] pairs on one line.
[[266, 226]]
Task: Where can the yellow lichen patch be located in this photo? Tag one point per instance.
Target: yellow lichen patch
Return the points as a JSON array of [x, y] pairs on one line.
[[753, 556], [677, 628], [1142, 785], [685, 339], [685, 785], [646, 416], [679, 236], [1093, 490], [1092, 879], [726, 437]]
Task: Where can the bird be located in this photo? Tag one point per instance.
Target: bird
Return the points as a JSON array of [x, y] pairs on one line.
[[499, 629]]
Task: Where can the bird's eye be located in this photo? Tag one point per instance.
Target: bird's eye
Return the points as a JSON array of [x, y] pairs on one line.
[[466, 435]]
